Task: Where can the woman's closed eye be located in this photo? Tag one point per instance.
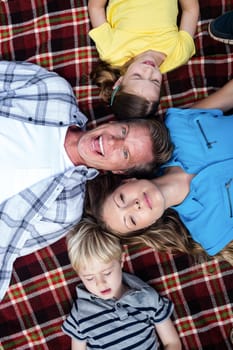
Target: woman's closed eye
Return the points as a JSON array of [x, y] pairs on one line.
[[133, 221], [130, 222]]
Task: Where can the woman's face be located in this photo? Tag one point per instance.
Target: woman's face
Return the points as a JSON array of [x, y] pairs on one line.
[[143, 78], [134, 205]]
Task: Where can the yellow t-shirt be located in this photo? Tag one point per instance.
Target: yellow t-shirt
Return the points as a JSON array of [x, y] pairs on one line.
[[135, 26]]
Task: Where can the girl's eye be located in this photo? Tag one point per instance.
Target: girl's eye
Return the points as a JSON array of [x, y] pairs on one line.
[[126, 154], [137, 76]]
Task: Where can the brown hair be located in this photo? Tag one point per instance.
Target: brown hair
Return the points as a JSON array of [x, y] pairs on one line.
[[124, 105]]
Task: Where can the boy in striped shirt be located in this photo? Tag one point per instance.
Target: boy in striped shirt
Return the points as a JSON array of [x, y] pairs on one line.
[[114, 310]]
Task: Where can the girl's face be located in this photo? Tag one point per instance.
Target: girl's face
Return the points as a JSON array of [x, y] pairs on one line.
[[134, 205], [143, 78]]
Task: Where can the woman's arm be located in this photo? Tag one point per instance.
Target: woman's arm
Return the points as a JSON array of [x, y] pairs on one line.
[[168, 335], [78, 345], [221, 99], [96, 9], [189, 17]]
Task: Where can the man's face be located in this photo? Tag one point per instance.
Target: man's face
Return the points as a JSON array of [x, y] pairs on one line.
[[116, 146]]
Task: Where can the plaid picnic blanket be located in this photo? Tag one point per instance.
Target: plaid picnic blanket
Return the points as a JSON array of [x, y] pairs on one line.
[[53, 34]]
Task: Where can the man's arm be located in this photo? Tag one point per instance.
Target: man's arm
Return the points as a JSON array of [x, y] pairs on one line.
[[221, 99], [189, 17], [96, 9], [168, 335]]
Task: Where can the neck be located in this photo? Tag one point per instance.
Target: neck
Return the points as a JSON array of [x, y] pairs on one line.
[[72, 137], [174, 185]]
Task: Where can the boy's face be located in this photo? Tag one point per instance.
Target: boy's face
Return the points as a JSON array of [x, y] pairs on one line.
[[103, 279]]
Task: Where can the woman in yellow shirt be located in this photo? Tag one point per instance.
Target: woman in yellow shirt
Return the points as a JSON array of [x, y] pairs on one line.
[[137, 41]]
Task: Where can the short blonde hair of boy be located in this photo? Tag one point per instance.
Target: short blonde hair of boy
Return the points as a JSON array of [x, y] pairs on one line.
[[87, 241]]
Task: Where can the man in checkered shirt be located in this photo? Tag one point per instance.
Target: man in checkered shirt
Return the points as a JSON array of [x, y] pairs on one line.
[[47, 157]]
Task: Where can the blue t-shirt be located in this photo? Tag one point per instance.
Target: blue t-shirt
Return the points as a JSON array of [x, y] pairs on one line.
[[203, 145]]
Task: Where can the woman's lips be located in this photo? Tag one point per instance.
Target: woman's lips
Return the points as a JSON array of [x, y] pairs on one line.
[[148, 201]]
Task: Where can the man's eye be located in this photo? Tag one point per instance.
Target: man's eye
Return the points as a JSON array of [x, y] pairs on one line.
[[124, 131], [126, 154]]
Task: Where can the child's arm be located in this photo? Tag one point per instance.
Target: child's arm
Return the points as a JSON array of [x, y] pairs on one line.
[[96, 9], [189, 17], [221, 99], [168, 335], [78, 345]]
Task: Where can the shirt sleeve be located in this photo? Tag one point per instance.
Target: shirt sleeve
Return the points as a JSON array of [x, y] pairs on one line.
[[103, 38], [32, 94], [160, 308], [71, 325]]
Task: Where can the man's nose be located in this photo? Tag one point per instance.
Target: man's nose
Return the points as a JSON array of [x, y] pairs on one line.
[[115, 142]]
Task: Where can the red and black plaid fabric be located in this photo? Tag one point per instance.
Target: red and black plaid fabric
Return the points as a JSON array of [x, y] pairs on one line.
[[53, 34]]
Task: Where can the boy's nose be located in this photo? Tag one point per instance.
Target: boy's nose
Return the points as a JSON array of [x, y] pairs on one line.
[[100, 282]]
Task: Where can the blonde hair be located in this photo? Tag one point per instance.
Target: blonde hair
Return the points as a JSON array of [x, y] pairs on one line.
[[87, 241]]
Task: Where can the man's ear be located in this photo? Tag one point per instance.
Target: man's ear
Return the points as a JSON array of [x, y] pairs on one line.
[[122, 259], [117, 83]]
